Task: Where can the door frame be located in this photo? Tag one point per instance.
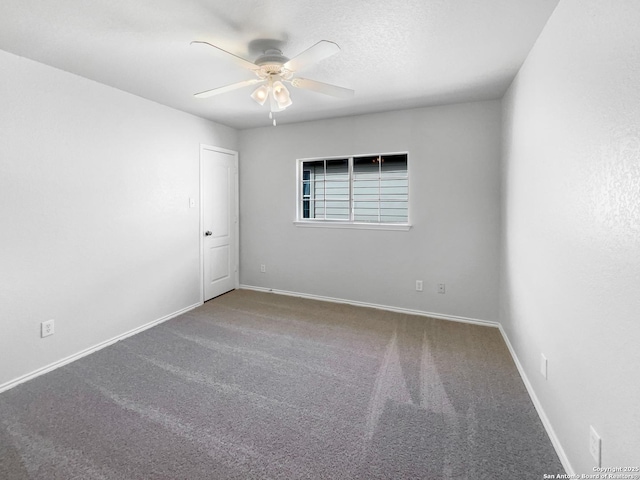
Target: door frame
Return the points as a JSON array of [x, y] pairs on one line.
[[233, 153]]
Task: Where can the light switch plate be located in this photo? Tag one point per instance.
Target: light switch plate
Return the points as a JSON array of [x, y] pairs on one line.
[[595, 443]]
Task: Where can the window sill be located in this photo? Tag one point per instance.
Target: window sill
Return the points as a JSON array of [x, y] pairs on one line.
[[357, 226]]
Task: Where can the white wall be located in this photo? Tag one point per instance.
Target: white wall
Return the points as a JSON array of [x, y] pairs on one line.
[[95, 229], [454, 156], [571, 226]]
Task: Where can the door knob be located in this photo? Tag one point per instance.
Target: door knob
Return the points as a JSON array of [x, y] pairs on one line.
[[208, 233]]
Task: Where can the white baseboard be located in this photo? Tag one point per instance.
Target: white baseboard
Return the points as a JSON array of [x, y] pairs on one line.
[[36, 373], [440, 316], [536, 403]]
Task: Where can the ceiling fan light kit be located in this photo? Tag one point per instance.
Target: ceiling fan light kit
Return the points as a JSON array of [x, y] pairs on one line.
[[281, 94], [273, 69], [260, 94]]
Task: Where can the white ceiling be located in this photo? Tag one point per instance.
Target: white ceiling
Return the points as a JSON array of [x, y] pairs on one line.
[[394, 53]]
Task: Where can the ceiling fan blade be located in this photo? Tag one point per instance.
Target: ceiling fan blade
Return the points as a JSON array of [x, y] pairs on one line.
[[243, 62], [321, 50], [227, 88], [326, 88]]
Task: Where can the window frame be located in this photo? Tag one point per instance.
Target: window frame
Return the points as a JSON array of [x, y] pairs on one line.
[[350, 223]]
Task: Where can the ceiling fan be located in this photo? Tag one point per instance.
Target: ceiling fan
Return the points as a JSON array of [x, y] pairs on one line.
[[273, 70]]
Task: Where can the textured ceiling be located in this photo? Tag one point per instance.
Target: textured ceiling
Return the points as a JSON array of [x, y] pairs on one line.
[[394, 53]]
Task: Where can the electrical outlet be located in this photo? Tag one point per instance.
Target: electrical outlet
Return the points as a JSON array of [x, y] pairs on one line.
[[192, 202], [263, 268], [543, 365], [595, 445], [418, 285], [441, 288], [46, 328]]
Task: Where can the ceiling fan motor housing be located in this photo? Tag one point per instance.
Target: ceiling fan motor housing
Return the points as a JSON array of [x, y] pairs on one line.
[[271, 62], [271, 56]]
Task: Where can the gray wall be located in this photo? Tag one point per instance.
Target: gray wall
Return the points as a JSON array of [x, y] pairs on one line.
[[571, 226], [95, 229], [454, 154]]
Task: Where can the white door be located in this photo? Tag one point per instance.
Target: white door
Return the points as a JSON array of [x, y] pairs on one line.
[[219, 182]]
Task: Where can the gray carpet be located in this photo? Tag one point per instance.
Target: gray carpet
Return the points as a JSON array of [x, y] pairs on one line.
[[256, 385]]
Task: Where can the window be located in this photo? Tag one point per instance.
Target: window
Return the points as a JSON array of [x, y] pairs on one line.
[[366, 190]]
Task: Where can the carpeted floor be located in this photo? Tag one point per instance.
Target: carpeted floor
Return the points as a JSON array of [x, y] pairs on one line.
[[256, 386]]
